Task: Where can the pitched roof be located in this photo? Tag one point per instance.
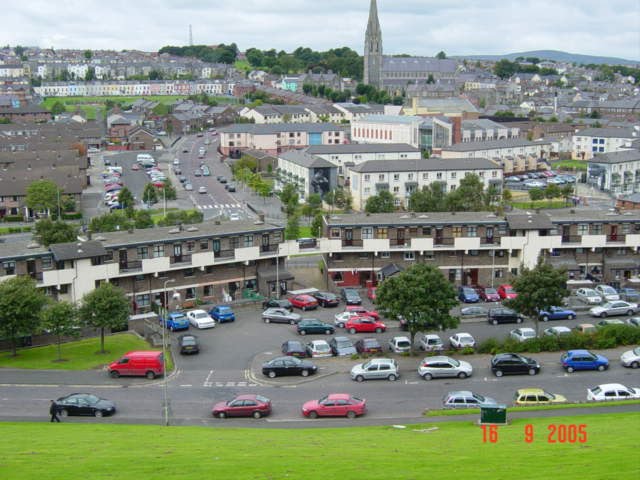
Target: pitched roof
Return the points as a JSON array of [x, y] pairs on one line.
[[494, 144], [425, 165], [622, 156], [418, 64], [607, 133], [404, 119], [302, 158], [273, 128], [77, 250], [529, 221], [361, 148]]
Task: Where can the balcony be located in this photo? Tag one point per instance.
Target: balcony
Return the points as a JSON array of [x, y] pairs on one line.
[[443, 242], [224, 254], [352, 243], [37, 276], [181, 260], [268, 249], [616, 238], [572, 239], [132, 266]]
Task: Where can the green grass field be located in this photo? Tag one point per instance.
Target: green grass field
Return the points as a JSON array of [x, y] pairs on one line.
[[78, 355], [570, 165], [525, 205], [447, 450], [532, 408]]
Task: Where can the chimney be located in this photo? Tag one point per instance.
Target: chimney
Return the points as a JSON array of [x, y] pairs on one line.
[[457, 129]]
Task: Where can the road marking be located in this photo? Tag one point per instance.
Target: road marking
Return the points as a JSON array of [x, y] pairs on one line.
[[207, 382], [186, 385]]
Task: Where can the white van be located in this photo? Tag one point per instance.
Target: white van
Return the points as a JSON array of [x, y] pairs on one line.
[[115, 169], [145, 160]]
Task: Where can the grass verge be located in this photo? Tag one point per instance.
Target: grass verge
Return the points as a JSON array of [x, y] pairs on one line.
[[79, 355], [444, 450], [539, 204], [305, 232], [570, 165]]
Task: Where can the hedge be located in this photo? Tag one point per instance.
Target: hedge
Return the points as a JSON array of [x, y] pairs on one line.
[[13, 218], [72, 216]]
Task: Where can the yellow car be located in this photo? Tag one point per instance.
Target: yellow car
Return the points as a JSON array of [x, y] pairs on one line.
[[536, 396]]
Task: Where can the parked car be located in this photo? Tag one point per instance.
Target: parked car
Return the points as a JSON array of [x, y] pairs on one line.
[[280, 315], [282, 366], [629, 294], [488, 294], [371, 294], [631, 358], [313, 325], [176, 321], [231, 187], [362, 311], [85, 404], [335, 405], [326, 299], [143, 363], [351, 296], [513, 364], [222, 180], [556, 331], [503, 315], [318, 348], [234, 217], [222, 313], [429, 342], [304, 302], [466, 399], [586, 328], [341, 319], [609, 322], [376, 369], [607, 293], [307, 242], [202, 190], [294, 348], [200, 319], [188, 344], [342, 346], [612, 391], [634, 321], [506, 292], [473, 311], [619, 307], [442, 367], [557, 313], [537, 396], [468, 295], [400, 345], [188, 186], [277, 303], [368, 346], [462, 340], [522, 334], [583, 360], [364, 325], [255, 406], [589, 296]]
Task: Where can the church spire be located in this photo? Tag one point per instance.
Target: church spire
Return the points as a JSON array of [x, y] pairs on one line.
[[373, 49], [373, 27]]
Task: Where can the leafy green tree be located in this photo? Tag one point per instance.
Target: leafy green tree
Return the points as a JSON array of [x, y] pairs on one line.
[[432, 198], [60, 319], [105, 307], [168, 191], [90, 75], [552, 191], [313, 205], [421, 295], [149, 194], [125, 198], [441, 55], [507, 196], [290, 198], [292, 230], [469, 196], [111, 222], [20, 306], [51, 232], [143, 219], [316, 226], [68, 203], [567, 192], [57, 108], [384, 202], [539, 289], [504, 68], [536, 194], [88, 54], [43, 195]]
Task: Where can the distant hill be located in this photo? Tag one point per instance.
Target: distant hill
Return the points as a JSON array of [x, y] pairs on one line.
[[556, 56]]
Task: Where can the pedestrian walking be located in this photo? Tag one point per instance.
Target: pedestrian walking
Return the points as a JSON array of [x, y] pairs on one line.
[[53, 411]]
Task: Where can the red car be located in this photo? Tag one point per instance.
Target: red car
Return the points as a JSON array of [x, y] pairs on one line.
[[335, 405], [507, 291], [368, 346], [304, 302], [362, 311], [135, 166], [364, 325], [255, 406], [371, 293], [488, 294]]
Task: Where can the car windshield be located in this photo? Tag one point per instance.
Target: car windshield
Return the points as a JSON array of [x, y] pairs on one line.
[[490, 291], [636, 351], [527, 333], [596, 390], [371, 343], [466, 339], [454, 362], [188, 341], [480, 398], [322, 347], [262, 399], [468, 291], [178, 317], [343, 343], [201, 315], [550, 395], [224, 310], [91, 399], [404, 343], [608, 290], [509, 290]]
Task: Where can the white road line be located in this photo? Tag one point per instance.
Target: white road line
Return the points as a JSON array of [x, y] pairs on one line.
[[186, 385], [207, 382]]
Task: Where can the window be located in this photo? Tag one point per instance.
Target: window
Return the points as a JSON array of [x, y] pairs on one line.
[[385, 255], [472, 231], [158, 251], [452, 188], [143, 252], [143, 300], [191, 246], [457, 232], [190, 293], [396, 189], [410, 176], [409, 256], [396, 177], [494, 174], [382, 232], [248, 240], [596, 229], [426, 231], [499, 273], [46, 263], [626, 228], [367, 190], [583, 229], [453, 174], [439, 175], [207, 291], [425, 176], [9, 268], [335, 233], [367, 232], [381, 177], [216, 245], [363, 255], [208, 269], [204, 244], [473, 253], [367, 178], [189, 272]]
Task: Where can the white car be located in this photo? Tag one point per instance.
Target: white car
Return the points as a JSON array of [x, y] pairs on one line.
[[556, 331], [400, 344], [462, 340], [319, 348], [614, 308], [634, 322], [430, 343], [200, 319], [608, 293], [202, 190], [612, 391], [588, 295], [176, 161], [234, 217], [631, 358], [522, 334], [341, 318]]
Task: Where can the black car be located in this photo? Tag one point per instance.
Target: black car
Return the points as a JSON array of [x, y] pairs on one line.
[[85, 404], [281, 366], [326, 299], [503, 315], [313, 325], [222, 180], [276, 303], [231, 187], [188, 344], [307, 243], [294, 348], [513, 364], [351, 296]]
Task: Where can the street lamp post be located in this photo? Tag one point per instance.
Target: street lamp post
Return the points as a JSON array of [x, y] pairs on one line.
[[164, 352]]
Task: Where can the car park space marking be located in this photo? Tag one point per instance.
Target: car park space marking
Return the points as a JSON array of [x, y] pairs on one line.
[[207, 382]]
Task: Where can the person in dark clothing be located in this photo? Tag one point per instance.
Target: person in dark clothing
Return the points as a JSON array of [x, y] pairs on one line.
[[53, 411]]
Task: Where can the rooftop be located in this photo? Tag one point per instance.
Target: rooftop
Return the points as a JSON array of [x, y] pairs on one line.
[[304, 159], [361, 148], [608, 133], [494, 144], [426, 164], [617, 157], [272, 129], [408, 119]]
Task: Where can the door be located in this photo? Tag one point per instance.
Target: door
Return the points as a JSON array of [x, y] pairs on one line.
[[372, 372], [177, 252], [566, 233], [489, 237], [122, 258], [348, 237], [265, 242], [31, 268], [400, 236], [438, 236], [614, 233]]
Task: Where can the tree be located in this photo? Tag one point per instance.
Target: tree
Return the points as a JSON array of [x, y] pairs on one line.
[[567, 192], [432, 198], [20, 306], [316, 225], [143, 219], [42, 195], [90, 75], [421, 295], [552, 191], [538, 289], [536, 194], [313, 205], [49, 232], [60, 319], [384, 202], [88, 54], [105, 307], [149, 194], [507, 196], [292, 231], [68, 203], [111, 222], [290, 198], [58, 108], [441, 55], [125, 198], [469, 196], [504, 68]]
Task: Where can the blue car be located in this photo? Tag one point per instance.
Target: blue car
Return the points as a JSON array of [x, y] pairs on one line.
[[176, 321], [629, 294], [557, 313], [583, 360], [468, 295], [222, 313]]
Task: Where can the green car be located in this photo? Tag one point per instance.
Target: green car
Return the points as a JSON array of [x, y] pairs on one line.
[[312, 325]]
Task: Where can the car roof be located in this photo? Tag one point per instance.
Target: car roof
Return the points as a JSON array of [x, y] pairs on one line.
[[339, 396], [341, 339], [464, 393], [463, 333], [437, 358], [382, 360], [585, 325], [525, 329], [402, 337], [197, 311], [578, 351], [604, 386], [530, 391], [247, 396]]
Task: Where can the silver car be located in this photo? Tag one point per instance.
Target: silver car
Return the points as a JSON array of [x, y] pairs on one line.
[[631, 358], [400, 345], [588, 295], [607, 293], [430, 343], [614, 308], [466, 399], [376, 369], [442, 366], [280, 315]]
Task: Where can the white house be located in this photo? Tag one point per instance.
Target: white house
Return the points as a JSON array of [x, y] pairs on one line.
[[616, 172], [591, 141], [310, 174], [346, 155], [387, 129]]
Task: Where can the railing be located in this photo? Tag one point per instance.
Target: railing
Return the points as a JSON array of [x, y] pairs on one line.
[[441, 242], [352, 243], [224, 254], [181, 260], [266, 249], [571, 238], [616, 238], [489, 241], [38, 276], [132, 266]]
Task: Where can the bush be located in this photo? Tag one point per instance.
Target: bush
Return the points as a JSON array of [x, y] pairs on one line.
[[72, 216], [491, 345], [549, 343], [467, 351], [13, 218]]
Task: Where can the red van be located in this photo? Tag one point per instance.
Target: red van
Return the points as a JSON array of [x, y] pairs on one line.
[[140, 363]]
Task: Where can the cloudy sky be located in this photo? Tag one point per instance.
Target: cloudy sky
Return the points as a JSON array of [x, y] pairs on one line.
[[418, 27]]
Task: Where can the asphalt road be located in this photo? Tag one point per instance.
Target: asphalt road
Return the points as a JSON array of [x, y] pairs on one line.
[[223, 370]]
